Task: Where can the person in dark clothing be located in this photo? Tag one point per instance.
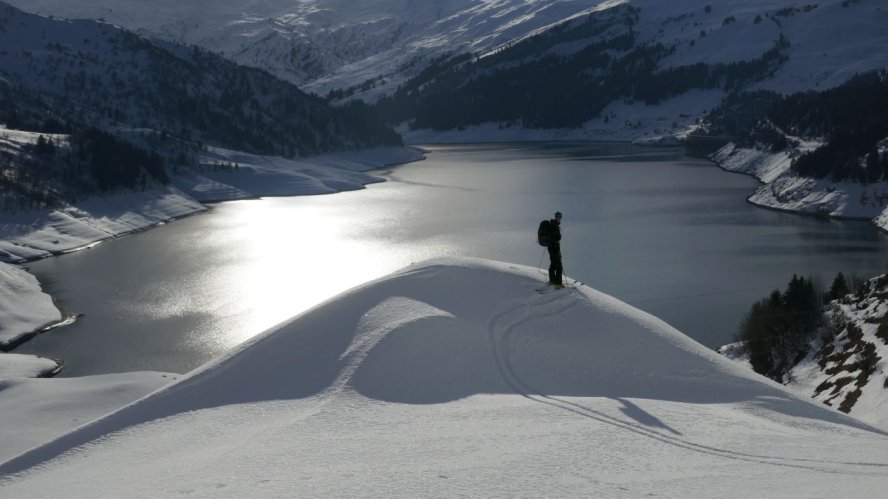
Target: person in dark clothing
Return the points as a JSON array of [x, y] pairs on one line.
[[555, 267]]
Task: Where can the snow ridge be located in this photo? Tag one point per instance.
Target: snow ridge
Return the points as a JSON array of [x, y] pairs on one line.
[[434, 366]]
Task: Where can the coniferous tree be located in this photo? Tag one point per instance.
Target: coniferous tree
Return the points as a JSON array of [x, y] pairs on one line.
[[838, 289], [777, 328]]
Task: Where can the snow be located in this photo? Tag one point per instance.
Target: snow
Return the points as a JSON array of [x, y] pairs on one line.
[[784, 190], [823, 197], [760, 164], [39, 233], [25, 308], [456, 377], [276, 176], [625, 122], [326, 44], [28, 235], [336, 44], [38, 410], [817, 370], [24, 366]]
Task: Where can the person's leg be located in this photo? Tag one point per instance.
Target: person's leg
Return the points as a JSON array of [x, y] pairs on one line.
[[557, 267], [553, 257]]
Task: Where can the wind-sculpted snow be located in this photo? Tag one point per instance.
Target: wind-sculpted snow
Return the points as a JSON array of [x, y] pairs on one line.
[[459, 377]]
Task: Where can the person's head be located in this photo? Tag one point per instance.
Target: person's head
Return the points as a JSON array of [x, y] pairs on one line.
[[558, 216]]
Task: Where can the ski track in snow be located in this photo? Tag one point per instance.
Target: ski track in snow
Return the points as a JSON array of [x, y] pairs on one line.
[[502, 325]]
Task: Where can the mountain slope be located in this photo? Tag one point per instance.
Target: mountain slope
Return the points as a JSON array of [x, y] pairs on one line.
[[457, 377], [325, 44], [843, 362], [822, 153], [619, 69], [95, 74], [606, 76]]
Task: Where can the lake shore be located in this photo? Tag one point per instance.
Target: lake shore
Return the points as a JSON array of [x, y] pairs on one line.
[[782, 190], [38, 234]]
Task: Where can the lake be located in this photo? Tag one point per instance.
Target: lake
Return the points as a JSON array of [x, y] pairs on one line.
[[670, 234]]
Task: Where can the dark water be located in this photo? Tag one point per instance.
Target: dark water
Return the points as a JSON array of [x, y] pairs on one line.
[[670, 234]]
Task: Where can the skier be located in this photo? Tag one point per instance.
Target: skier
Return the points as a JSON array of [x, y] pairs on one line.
[[554, 247]]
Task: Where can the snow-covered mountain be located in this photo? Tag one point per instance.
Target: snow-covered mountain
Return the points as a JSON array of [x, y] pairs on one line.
[[326, 44], [456, 377], [95, 74], [368, 48], [644, 69]]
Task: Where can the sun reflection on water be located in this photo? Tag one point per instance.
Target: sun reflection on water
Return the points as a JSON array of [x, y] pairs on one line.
[[294, 254]]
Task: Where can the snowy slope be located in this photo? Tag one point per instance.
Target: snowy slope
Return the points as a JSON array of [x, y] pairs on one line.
[[25, 235], [456, 377], [785, 190], [847, 366], [37, 233], [37, 410], [326, 44], [94, 74], [257, 175], [844, 366], [25, 366], [24, 307]]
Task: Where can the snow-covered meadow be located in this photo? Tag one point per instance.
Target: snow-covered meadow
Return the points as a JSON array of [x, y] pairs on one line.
[[458, 377]]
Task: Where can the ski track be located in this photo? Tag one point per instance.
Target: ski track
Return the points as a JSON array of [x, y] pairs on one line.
[[500, 329]]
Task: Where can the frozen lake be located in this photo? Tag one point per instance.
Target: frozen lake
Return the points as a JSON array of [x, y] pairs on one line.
[[670, 234]]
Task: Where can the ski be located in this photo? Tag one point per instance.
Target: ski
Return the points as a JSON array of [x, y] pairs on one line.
[[550, 287]]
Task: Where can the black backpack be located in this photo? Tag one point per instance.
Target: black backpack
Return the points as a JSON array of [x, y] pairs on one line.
[[545, 233]]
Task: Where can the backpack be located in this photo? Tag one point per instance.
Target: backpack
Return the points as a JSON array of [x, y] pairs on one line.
[[545, 232]]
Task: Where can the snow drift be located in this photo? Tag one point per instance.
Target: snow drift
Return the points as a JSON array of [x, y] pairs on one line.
[[460, 377]]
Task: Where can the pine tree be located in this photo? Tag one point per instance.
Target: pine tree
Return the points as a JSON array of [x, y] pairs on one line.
[[873, 169], [838, 290], [777, 327]]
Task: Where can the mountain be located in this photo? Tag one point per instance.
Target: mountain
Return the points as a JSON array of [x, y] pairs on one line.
[[621, 69], [624, 68], [97, 74], [115, 110], [326, 44], [457, 377]]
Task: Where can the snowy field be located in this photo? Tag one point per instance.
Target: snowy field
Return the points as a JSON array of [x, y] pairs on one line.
[[457, 377]]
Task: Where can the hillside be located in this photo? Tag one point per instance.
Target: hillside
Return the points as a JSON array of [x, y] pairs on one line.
[[94, 74], [25, 306], [821, 153], [327, 44], [644, 69], [843, 363], [456, 377], [514, 70]]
